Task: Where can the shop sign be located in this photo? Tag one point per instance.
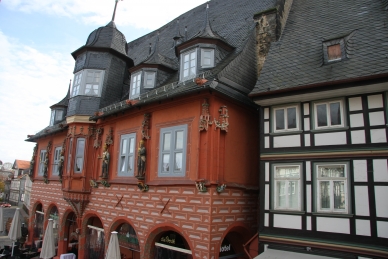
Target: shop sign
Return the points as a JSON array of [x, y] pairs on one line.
[[167, 240], [225, 248]]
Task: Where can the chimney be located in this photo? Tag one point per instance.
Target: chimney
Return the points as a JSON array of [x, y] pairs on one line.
[[269, 28]]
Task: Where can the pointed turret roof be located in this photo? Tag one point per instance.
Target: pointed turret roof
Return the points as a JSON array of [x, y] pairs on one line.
[[64, 102]]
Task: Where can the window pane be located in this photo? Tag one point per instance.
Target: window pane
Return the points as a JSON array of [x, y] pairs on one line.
[[166, 162], [281, 193], [58, 115], [167, 140], [339, 194], [122, 164], [332, 171], [335, 113], [291, 118], [279, 119], [293, 192], [186, 57], [124, 146], [334, 52], [78, 164], [80, 147], [325, 194], [130, 163], [283, 172], [321, 115], [178, 161], [131, 145], [179, 140]]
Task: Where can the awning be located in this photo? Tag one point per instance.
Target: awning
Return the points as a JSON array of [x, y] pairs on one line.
[[278, 254]]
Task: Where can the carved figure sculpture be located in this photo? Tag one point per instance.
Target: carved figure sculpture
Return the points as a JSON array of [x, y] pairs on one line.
[[32, 163], [105, 162], [60, 164], [141, 161], [45, 166]]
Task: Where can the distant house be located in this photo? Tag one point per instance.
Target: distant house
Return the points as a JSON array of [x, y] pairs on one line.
[[20, 167]]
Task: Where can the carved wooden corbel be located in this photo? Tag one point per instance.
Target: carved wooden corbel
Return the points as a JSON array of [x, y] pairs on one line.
[[222, 122], [200, 185], [204, 119]]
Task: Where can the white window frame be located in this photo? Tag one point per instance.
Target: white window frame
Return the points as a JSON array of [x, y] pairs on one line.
[[42, 157], [331, 180], [79, 154], [81, 81], [328, 117], [285, 119], [57, 157], [135, 88], [173, 150], [190, 74], [288, 181], [146, 82], [127, 155], [203, 52]]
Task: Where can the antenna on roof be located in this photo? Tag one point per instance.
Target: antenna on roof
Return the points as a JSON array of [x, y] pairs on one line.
[[114, 11]]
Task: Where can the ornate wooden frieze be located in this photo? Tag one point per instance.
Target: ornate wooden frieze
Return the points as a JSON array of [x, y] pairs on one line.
[[32, 162], [222, 122], [145, 126], [204, 119]]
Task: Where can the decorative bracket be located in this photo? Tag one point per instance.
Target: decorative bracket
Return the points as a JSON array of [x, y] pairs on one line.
[[145, 126], [204, 119], [77, 201], [221, 188], [94, 183], [222, 122], [200, 184], [142, 186]]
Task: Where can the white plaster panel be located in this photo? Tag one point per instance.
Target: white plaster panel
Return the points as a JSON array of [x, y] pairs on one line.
[[307, 140], [376, 118], [381, 194], [358, 136], [308, 223], [375, 101], [382, 229], [266, 127], [362, 227], [380, 170], [308, 171], [266, 171], [287, 221], [360, 171], [356, 120], [266, 142], [266, 205], [362, 200], [306, 108], [266, 113], [378, 136], [334, 138], [355, 104], [287, 141], [266, 219], [308, 197], [335, 225], [306, 124]]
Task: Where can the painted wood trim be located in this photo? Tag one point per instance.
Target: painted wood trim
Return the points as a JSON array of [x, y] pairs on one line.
[[323, 245], [339, 154]]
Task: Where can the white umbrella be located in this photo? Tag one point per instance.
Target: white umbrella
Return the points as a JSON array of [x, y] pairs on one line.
[[48, 246], [1, 219], [113, 247], [15, 232]]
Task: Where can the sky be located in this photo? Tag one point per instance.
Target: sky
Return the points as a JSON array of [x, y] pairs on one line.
[[36, 39]]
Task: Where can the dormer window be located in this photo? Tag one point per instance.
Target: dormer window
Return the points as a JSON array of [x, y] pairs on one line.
[[149, 79], [334, 50], [88, 82], [207, 58], [188, 64], [56, 116], [135, 84]]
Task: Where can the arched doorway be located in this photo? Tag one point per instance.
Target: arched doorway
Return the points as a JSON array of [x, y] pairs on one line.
[[129, 244], [71, 233], [232, 246], [170, 244], [38, 227], [95, 239]]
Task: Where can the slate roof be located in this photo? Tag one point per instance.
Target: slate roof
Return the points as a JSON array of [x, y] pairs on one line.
[[297, 58], [48, 130], [64, 102]]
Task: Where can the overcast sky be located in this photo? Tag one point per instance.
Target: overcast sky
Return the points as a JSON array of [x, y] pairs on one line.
[[36, 39]]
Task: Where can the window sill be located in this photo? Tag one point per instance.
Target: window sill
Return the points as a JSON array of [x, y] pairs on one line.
[[286, 133], [333, 215], [288, 212], [330, 129]]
